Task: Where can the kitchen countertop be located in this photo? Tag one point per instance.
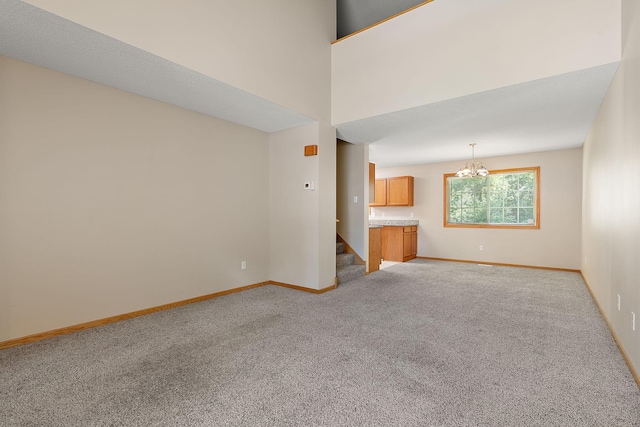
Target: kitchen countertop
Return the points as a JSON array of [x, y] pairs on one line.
[[379, 222]]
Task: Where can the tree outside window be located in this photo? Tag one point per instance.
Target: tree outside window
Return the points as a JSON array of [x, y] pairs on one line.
[[503, 199]]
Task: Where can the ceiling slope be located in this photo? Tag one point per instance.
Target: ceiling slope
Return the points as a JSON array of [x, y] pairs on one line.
[[33, 35], [547, 114]]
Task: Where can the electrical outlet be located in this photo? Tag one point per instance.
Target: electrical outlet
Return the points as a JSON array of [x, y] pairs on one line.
[[355, 199], [243, 265], [633, 321], [482, 247], [618, 302]]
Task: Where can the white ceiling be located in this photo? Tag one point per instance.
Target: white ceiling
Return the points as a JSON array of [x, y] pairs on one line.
[[548, 114], [542, 115], [33, 35]]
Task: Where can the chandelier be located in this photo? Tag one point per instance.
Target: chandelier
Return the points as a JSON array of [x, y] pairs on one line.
[[472, 168]]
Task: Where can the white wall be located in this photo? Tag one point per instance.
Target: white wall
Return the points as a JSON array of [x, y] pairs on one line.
[[300, 223], [353, 181], [111, 202], [557, 242], [611, 230], [428, 55], [276, 49]]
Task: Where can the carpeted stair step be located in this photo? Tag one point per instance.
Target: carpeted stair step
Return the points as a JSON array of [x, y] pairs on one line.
[[349, 272], [346, 269], [344, 260]]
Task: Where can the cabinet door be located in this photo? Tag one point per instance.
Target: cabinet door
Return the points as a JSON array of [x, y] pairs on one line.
[[392, 243], [406, 243], [400, 191], [380, 193], [414, 241]]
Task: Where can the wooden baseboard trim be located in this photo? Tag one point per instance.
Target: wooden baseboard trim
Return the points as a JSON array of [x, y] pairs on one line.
[[92, 324], [302, 288], [613, 333], [500, 264]]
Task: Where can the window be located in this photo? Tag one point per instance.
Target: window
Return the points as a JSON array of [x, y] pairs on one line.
[[504, 199]]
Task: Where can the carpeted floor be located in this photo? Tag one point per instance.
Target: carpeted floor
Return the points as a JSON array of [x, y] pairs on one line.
[[423, 343]]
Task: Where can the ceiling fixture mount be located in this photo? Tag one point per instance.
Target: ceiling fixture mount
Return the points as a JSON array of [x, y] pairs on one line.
[[472, 168]]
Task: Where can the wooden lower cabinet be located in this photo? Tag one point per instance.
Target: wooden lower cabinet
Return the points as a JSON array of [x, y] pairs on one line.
[[414, 241], [399, 243], [375, 249]]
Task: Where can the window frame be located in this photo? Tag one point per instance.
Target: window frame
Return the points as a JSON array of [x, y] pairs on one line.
[[534, 226]]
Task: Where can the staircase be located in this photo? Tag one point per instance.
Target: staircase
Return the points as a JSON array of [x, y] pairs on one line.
[[345, 268]]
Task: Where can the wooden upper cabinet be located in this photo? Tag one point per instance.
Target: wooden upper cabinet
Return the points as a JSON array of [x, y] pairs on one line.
[[395, 191], [380, 193], [372, 183], [400, 191]]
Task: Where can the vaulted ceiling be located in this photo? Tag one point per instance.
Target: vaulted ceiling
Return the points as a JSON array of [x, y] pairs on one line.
[[33, 35], [548, 114]]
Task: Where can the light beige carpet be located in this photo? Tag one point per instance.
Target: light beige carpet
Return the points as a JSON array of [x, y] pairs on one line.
[[416, 344]]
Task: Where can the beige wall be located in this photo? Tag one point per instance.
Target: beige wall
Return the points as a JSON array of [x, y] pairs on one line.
[[428, 54], [111, 202], [353, 181], [611, 229], [557, 242], [276, 49]]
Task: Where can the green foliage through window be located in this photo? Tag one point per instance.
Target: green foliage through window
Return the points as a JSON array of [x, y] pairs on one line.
[[503, 198]]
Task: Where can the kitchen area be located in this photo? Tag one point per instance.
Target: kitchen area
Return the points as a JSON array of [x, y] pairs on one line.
[[390, 239]]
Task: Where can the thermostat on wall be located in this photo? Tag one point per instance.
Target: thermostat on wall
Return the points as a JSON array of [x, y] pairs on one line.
[[309, 185]]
